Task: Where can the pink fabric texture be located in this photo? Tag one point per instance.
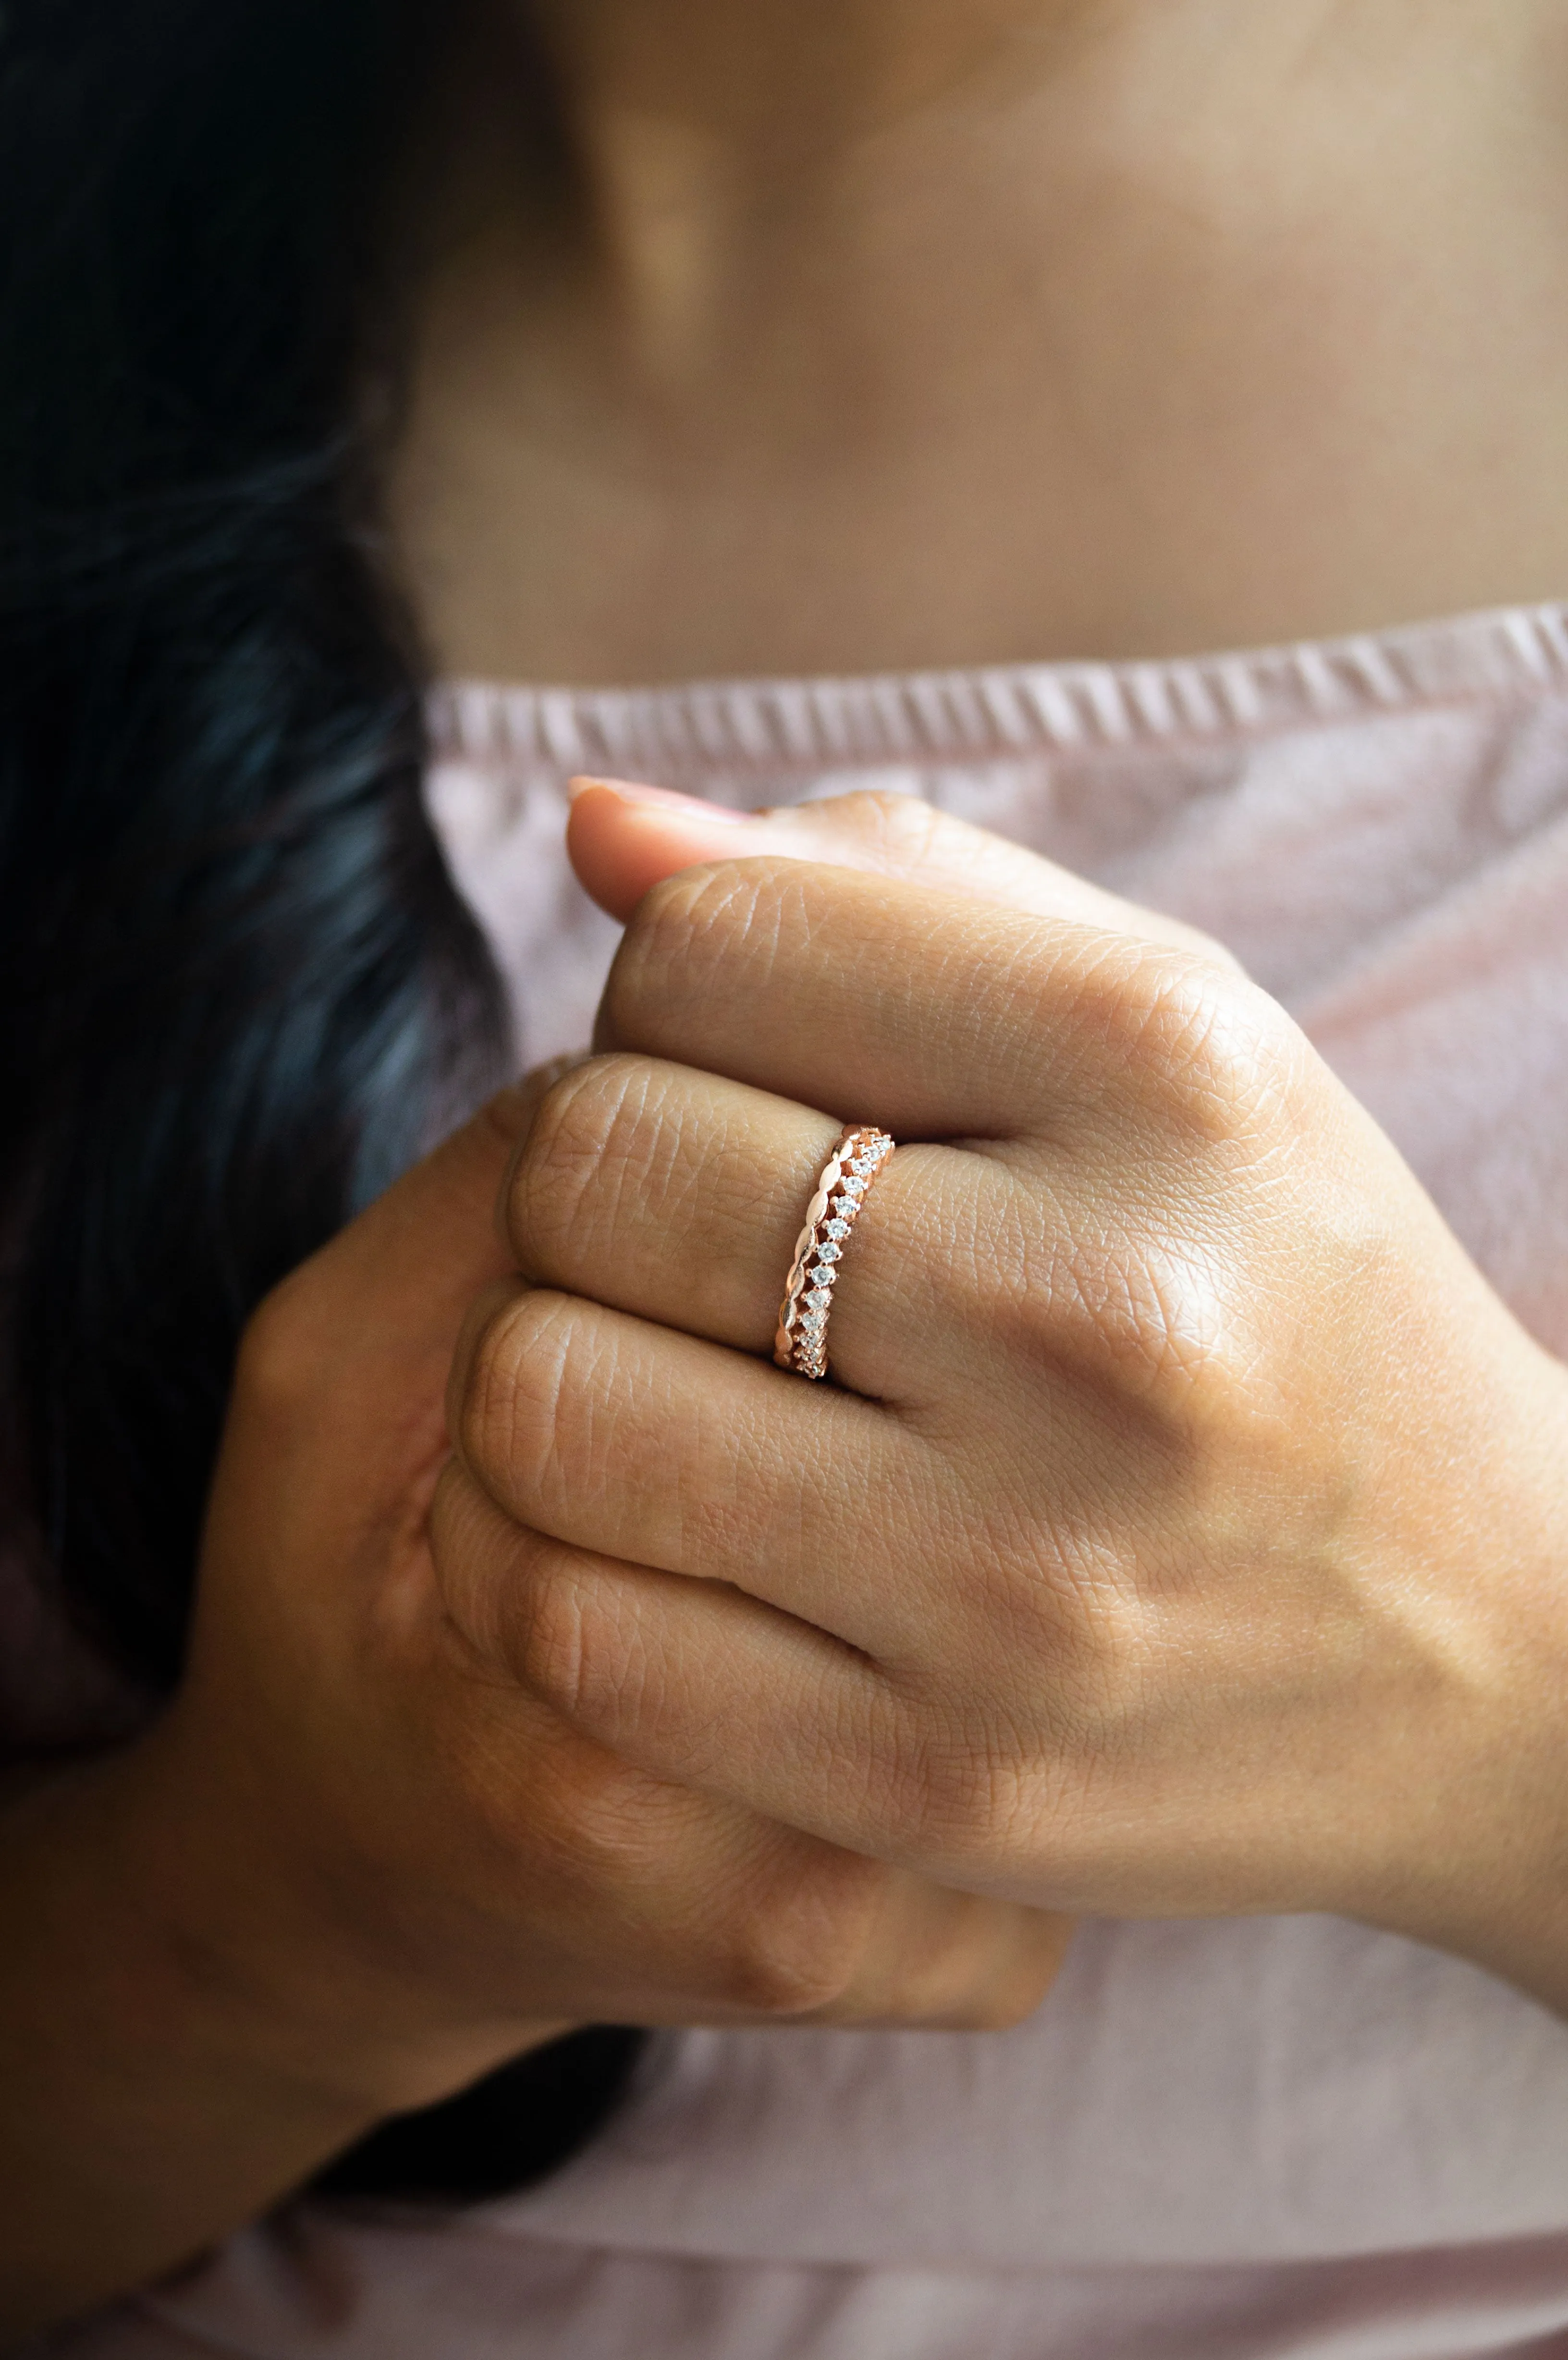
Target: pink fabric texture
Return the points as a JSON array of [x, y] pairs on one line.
[[1215, 2141]]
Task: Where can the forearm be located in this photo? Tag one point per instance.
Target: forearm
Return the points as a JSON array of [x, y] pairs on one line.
[[159, 2092], [148, 2108]]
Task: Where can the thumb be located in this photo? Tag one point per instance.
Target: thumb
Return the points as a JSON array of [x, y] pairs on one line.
[[623, 839]]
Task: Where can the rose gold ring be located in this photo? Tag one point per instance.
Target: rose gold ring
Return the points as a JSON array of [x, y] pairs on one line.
[[802, 1342]]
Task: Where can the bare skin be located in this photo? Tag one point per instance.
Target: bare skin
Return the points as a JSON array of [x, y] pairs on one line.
[[890, 336], [350, 1869], [832, 286], [1196, 1544]]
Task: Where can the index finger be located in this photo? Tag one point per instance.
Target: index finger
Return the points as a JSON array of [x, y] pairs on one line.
[[931, 1014]]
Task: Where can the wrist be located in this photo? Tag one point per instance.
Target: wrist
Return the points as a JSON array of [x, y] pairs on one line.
[[1488, 1869], [250, 1950]]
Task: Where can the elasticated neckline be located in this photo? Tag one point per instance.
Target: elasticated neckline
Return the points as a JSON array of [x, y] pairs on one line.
[[1006, 710]]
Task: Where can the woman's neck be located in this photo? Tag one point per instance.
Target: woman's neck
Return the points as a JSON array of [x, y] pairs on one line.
[[786, 79], [716, 152], [892, 332]]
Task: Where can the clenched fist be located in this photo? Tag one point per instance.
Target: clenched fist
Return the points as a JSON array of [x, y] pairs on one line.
[[1187, 1530]]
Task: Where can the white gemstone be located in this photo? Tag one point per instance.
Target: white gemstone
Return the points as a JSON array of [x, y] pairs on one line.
[[854, 1187], [817, 1302], [837, 1229], [829, 1252]]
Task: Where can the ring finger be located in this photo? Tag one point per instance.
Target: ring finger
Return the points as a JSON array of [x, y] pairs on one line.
[[679, 1197]]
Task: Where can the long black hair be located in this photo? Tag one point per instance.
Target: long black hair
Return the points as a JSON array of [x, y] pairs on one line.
[[239, 991]]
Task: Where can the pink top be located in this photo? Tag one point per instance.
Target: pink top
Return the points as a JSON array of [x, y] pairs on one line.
[[1261, 2137]]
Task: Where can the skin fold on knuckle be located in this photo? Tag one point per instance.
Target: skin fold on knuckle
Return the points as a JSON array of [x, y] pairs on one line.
[[578, 1639], [572, 1401], [902, 834], [611, 1838], [1185, 1045], [588, 1147], [964, 1963], [1150, 1318], [797, 1948], [982, 1774], [683, 934], [648, 1154], [879, 1745], [482, 1568], [968, 1782], [549, 1645], [518, 1424], [1055, 1285]]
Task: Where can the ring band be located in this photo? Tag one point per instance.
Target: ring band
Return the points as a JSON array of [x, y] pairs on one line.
[[801, 1343]]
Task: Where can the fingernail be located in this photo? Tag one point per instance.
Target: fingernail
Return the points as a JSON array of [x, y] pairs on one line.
[[631, 790]]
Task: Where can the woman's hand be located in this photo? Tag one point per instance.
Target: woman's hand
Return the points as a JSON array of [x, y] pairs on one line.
[[625, 838], [357, 1862], [1188, 1532], [485, 1873]]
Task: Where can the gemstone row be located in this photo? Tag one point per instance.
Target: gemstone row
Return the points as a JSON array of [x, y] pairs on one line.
[[854, 1162]]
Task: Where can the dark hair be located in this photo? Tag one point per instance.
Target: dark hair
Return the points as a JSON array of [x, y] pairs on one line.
[[240, 990]]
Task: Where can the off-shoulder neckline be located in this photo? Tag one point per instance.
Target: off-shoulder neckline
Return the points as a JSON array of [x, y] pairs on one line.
[[998, 711]]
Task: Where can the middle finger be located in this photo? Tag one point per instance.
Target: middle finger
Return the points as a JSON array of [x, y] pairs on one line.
[[661, 1451]]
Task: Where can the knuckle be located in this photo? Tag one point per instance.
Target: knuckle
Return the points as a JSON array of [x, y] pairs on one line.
[[591, 1137], [680, 932], [577, 1645], [610, 1822], [1201, 1047], [522, 1606], [969, 1807], [514, 1407], [1116, 1293], [549, 1642], [989, 1974], [904, 828], [1217, 1042], [966, 1799], [597, 1821], [1153, 1314], [653, 955], [798, 1957], [589, 1824], [770, 1978]]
